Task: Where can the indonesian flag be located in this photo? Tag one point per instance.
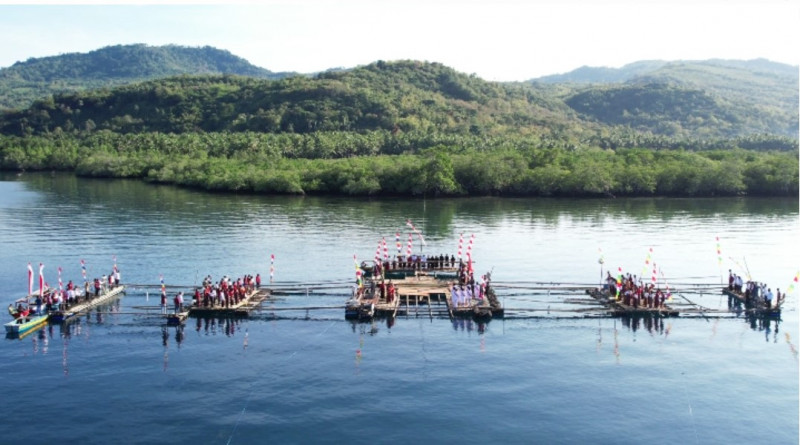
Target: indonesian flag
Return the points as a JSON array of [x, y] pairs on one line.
[[30, 279], [41, 279]]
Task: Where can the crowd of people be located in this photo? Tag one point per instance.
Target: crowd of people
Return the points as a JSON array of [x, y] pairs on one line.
[[225, 293], [755, 294], [52, 300], [635, 294], [420, 262]]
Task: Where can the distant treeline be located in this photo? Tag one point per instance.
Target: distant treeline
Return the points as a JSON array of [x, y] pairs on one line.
[[382, 163]]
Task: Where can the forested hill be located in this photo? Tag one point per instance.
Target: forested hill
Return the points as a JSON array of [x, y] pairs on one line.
[[713, 98], [402, 96], [24, 82]]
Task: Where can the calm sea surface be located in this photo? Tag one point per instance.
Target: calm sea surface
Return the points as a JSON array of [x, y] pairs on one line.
[[554, 371]]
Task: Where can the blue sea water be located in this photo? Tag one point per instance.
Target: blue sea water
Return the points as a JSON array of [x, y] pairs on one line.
[[554, 371]]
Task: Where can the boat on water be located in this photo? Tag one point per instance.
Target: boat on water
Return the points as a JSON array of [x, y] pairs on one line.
[[89, 302], [26, 321], [756, 305], [618, 306]]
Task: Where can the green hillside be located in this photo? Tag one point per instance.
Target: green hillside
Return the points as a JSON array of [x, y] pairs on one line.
[[36, 78], [703, 99], [401, 96], [410, 128]]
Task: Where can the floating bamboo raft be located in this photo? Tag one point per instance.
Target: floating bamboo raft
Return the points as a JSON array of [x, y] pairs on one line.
[[618, 308], [241, 309], [83, 307]]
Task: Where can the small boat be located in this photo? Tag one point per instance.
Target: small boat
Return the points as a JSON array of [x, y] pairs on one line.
[[358, 310], [755, 305], [177, 318], [25, 323], [619, 308]]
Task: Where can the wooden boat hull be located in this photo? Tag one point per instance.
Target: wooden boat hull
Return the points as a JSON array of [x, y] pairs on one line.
[[756, 307], [177, 319], [617, 308], [15, 327]]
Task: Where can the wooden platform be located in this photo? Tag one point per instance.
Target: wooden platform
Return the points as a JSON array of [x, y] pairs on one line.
[[420, 295], [240, 309], [758, 306], [84, 306], [616, 307]]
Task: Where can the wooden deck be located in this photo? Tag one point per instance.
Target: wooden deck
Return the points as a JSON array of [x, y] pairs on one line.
[[756, 306], [240, 309], [86, 305], [420, 295], [616, 307]]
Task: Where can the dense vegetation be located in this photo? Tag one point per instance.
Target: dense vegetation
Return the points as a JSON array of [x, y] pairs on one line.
[[403, 128], [24, 82], [379, 163]]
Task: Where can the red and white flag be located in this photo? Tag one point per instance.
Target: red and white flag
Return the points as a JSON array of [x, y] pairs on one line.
[[41, 279], [30, 279]]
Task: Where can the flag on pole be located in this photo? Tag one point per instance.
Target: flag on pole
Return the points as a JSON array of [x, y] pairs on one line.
[[271, 267], [114, 257], [30, 279], [414, 229], [83, 269], [460, 245], [399, 244], [41, 279], [163, 287], [60, 284], [385, 250], [359, 281]]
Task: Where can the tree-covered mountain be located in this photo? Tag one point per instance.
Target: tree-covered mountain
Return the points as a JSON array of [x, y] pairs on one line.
[[399, 96], [36, 78], [713, 98], [419, 128]]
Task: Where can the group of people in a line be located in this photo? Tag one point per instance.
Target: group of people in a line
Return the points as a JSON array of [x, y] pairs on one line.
[[420, 262], [635, 294], [464, 294], [755, 294], [52, 300], [225, 293]]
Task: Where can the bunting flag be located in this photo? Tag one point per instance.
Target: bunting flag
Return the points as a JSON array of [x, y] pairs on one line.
[[41, 279], [653, 279], [414, 229], [796, 279], [378, 253], [271, 267], [460, 245], [408, 247], [471, 241], [719, 253], [666, 283], [399, 244], [60, 284], [647, 263], [385, 249], [30, 279], [83, 269], [359, 281]]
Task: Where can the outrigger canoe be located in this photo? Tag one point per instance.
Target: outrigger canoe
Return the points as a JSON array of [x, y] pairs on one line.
[[22, 325]]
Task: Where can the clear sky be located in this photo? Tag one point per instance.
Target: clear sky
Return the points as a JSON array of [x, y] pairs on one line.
[[501, 40]]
